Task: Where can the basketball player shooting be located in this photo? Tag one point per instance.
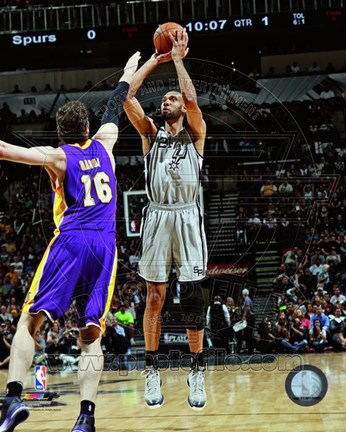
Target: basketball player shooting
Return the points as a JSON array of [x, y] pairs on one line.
[[173, 231]]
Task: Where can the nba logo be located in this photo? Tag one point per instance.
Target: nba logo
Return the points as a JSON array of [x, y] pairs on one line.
[[133, 226], [40, 378]]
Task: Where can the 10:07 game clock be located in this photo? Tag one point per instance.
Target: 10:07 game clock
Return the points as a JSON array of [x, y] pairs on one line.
[[212, 25]]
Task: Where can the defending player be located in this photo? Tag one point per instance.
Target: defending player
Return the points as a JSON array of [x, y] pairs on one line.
[[173, 231], [80, 261]]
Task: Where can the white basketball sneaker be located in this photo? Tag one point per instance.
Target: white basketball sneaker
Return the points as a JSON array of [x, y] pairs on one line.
[[152, 393], [197, 396]]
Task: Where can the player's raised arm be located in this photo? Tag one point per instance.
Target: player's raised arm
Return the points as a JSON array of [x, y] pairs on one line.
[[49, 157], [143, 124], [194, 116], [108, 132]]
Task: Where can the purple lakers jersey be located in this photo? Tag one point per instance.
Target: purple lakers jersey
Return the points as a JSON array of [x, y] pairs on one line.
[[87, 198]]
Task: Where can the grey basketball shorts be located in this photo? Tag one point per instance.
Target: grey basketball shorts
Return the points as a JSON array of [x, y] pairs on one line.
[[173, 236]]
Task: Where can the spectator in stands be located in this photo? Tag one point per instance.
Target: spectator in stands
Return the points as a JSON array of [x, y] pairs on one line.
[[133, 257], [285, 188], [311, 238], [268, 189], [284, 284], [318, 336], [10, 244], [118, 328], [333, 256], [323, 279], [318, 254], [4, 314], [309, 311], [266, 342], [334, 273], [40, 348], [314, 67], [7, 116], [32, 116], [279, 171], [328, 307], [52, 343], [341, 340], [298, 339], [5, 345], [294, 68], [339, 225], [253, 225], [284, 271], [241, 233], [68, 339], [13, 305], [305, 322], [337, 296], [131, 299], [293, 295], [320, 293], [327, 93], [12, 275], [290, 258], [5, 225], [323, 319], [316, 268], [270, 225], [24, 116], [17, 264], [308, 192], [281, 334], [114, 340], [16, 89], [125, 319]]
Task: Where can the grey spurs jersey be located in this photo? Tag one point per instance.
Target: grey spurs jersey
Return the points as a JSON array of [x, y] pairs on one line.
[[172, 169]]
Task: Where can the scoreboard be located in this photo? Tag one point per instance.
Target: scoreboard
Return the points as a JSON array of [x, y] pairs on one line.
[[209, 39], [256, 23]]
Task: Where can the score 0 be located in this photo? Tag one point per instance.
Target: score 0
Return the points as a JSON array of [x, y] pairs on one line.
[[91, 34]]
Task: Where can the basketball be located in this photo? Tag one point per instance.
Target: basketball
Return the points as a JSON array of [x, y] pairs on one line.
[[162, 41]]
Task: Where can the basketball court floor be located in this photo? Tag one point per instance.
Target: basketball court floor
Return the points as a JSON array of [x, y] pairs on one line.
[[241, 397]]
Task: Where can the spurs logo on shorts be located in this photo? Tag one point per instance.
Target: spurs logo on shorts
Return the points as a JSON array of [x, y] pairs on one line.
[[198, 271]]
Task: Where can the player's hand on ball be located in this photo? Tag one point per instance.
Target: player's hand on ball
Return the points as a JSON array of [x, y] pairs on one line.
[[162, 58], [179, 48]]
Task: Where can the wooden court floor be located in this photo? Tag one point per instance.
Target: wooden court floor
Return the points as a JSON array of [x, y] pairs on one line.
[[240, 398]]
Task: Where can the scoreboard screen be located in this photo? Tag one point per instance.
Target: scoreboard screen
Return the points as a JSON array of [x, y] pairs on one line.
[[210, 39]]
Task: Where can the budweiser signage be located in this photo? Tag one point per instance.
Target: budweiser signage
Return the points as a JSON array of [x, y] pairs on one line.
[[227, 269]]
